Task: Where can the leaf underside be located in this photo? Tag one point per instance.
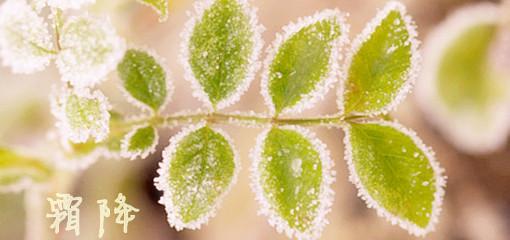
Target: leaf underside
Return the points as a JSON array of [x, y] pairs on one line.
[[379, 69], [201, 171], [84, 113], [15, 167], [394, 171], [291, 178], [143, 78], [302, 62], [220, 48]]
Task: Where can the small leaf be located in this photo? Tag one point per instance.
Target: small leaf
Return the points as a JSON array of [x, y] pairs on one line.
[[303, 62], [69, 4], [292, 178], [25, 43], [461, 89], [220, 51], [144, 78], [383, 64], [90, 50], [199, 167], [139, 142], [19, 171], [81, 115], [395, 173], [160, 6]]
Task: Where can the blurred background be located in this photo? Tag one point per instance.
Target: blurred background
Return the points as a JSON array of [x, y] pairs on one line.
[[477, 201]]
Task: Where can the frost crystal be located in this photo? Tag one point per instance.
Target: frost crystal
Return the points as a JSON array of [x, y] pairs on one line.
[[25, 43], [134, 144], [90, 50], [69, 4], [440, 180], [325, 196], [81, 114]]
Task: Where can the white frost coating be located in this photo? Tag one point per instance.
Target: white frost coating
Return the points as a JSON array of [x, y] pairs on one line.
[[80, 134], [161, 182], [440, 180], [321, 88], [253, 64], [69, 4], [246, 122], [466, 130], [356, 44], [90, 50], [168, 76], [132, 155], [326, 195], [25, 42]]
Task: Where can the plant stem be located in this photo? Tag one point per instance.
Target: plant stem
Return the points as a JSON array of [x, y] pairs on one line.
[[241, 119]]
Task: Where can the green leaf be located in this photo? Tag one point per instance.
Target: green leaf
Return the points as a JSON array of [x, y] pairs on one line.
[[140, 142], [81, 115], [19, 171], [462, 90], [383, 64], [303, 62], [199, 166], [90, 50], [292, 177], [395, 173], [221, 50], [160, 6], [144, 78]]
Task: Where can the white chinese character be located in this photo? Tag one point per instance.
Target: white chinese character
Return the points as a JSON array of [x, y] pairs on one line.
[[123, 212], [65, 206], [104, 212]]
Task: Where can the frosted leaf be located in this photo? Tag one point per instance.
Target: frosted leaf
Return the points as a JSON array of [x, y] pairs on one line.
[[395, 173], [69, 4], [145, 79], [462, 92], [302, 63], [90, 50], [139, 142], [292, 176], [160, 6], [382, 64], [81, 115], [220, 50], [19, 171], [198, 169], [25, 42]]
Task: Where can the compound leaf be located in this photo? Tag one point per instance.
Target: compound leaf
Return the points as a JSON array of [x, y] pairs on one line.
[[382, 66], [303, 62], [292, 177], [139, 142], [221, 48], [144, 78], [199, 166], [395, 173], [19, 171]]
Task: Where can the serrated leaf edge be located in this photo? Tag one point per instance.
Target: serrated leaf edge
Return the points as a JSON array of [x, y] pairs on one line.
[[365, 34], [326, 196], [308, 100], [427, 97], [58, 108], [253, 64], [168, 80], [440, 180], [132, 155], [161, 182]]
